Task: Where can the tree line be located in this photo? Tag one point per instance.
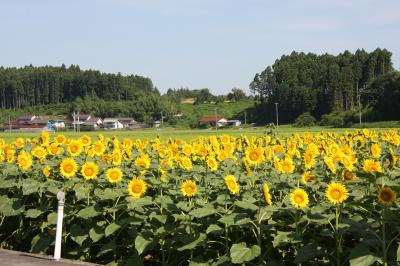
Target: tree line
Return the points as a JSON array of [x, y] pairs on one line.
[[30, 86], [325, 84]]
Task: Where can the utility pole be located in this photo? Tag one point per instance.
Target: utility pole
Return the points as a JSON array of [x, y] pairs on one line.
[[162, 120], [216, 119], [9, 122], [245, 116], [79, 123], [276, 110], [74, 123], [359, 102]]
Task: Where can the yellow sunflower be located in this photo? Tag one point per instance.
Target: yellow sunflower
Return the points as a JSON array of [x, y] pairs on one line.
[[254, 155], [60, 139], [89, 170], [375, 150], [189, 188], [98, 148], [114, 175], [46, 171], [24, 161], [336, 193], [330, 164], [287, 166], [372, 166], [386, 195], [85, 140], [299, 198], [137, 187], [307, 177], [232, 184], [187, 149], [19, 143], [39, 152], [68, 167], [347, 175], [143, 161], [185, 163], [212, 163], [267, 195], [74, 147]]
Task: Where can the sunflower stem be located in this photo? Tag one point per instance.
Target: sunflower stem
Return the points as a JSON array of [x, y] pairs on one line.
[[338, 244], [384, 251]]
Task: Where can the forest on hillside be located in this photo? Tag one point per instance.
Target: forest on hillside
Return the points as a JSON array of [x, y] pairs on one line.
[[30, 86], [327, 84]]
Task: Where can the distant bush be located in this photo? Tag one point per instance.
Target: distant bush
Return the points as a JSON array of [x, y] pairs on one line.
[[305, 120]]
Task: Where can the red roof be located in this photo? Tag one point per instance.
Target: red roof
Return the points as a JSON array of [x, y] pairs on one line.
[[82, 117], [210, 119], [26, 117], [93, 119]]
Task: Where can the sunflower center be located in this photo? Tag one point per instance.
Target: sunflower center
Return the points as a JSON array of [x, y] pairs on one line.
[[231, 184], [89, 171], [298, 199], [114, 176], [137, 188], [74, 149], [335, 194], [68, 168], [385, 196], [253, 156]]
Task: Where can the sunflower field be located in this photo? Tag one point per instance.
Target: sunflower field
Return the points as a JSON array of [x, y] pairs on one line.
[[309, 199]]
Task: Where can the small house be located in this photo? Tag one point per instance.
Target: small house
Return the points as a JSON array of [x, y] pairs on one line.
[[93, 122], [234, 123], [112, 123], [26, 119], [212, 121], [127, 122]]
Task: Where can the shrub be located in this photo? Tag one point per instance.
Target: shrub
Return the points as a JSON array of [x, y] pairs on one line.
[[305, 120]]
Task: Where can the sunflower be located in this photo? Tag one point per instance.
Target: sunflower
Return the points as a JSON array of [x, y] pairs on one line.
[[372, 166], [39, 152], [267, 195], [287, 165], [143, 161], [89, 170], [330, 164], [85, 140], [254, 155], [68, 167], [116, 157], [232, 184], [336, 193], [19, 143], [137, 187], [188, 188], [222, 155], [212, 163], [347, 162], [185, 163], [24, 161], [347, 175], [386, 195], [60, 139], [307, 177], [299, 198], [375, 150], [114, 175], [187, 149], [98, 148], [54, 149], [46, 171], [74, 147]]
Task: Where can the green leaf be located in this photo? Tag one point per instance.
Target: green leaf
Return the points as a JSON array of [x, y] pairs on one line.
[[96, 233], [194, 243], [29, 186], [88, 212], [110, 229], [142, 243], [41, 243], [240, 253], [52, 218], [202, 212], [11, 207], [281, 238], [360, 255], [213, 228], [33, 213], [78, 234], [246, 205], [398, 253], [305, 253]]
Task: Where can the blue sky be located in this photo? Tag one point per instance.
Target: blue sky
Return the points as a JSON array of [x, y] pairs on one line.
[[215, 44]]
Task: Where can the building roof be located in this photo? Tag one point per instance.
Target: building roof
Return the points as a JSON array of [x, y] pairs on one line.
[[211, 119], [126, 119], [82, 116], [110, 120], [93, 119], [26, 117], [39, 121]]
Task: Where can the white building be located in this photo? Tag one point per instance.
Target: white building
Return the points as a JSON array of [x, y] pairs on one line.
[[112, 123]]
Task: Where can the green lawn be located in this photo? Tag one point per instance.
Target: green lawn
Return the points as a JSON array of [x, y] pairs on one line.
[[185, 133]]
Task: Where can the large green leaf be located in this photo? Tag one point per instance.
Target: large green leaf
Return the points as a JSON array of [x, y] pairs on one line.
[[78, 234], [88, 212], [199, 239], [33, 213], [41, 243], [142, 243], [30, 186], [202, 212], [246, 205], [11, 207], [240, 253], [360, 255], [111, 228]]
